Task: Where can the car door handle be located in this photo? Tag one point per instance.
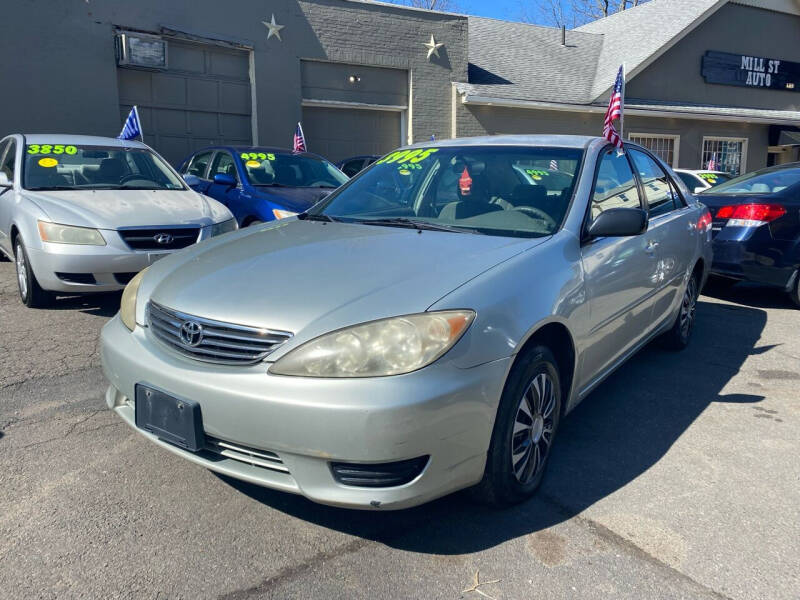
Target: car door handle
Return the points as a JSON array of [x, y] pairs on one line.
[[651, 246]]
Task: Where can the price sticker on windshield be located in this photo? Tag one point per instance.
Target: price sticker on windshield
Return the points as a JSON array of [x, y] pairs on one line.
[[407, 156], [709, 177], [257, 156], [51, 149], [537, 174]]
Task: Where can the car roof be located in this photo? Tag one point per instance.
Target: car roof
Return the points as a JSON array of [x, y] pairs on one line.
[[558, 141], [80, 140], [251, 148]]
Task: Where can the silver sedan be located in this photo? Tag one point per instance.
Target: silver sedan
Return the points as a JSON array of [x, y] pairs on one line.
[[85, 214], [423, 329]]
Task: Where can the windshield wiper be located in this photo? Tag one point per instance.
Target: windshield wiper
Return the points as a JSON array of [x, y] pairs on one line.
[[419, 225], [270, 185], [52, 188], [317, 217]]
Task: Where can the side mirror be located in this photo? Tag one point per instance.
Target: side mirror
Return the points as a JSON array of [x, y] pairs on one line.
[[699, 189], [226, 180], [619, 222], [4, 182]]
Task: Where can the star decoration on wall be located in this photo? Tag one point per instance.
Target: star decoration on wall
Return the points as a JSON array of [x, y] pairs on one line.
[[273, 28], [433, 47]]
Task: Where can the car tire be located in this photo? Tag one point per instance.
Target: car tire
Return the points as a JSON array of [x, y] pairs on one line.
[[254, 222], [30, 292], [677, 338], [794, 293], [524, 431]]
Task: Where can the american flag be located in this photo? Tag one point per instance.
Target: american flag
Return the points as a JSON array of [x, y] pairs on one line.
[[615, 108], [554, 165], [712, 163], [299, 139]]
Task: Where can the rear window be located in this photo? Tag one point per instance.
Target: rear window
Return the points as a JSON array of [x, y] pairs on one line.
[[760, 182]]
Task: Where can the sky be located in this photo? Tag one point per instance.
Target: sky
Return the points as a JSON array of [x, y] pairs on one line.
[[507, 10]]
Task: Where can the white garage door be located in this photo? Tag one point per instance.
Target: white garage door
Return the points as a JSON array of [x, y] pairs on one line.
[[202, 99], [339, 133]]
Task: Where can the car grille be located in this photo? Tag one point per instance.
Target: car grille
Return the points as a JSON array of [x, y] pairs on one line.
[[212, 341], [160, 238], [251, 456]]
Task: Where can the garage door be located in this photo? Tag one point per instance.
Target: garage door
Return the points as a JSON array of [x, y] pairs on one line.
[[203, 98], [338, 133]]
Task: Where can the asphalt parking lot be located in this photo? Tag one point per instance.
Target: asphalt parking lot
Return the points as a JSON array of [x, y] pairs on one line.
[[678, 478]]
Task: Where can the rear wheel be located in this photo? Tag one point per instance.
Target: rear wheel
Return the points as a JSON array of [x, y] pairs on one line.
[[526, 424], [30, 292], [677, 338], [794, 293]]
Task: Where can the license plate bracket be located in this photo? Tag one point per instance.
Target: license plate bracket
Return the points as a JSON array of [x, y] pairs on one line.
[[174, 420]]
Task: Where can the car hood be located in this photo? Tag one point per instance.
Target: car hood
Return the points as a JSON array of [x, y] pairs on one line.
[[112, 209], [312, 277], [298, 199]]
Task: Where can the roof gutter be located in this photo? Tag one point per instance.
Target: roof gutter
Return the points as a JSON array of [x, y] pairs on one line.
[[476, 100]]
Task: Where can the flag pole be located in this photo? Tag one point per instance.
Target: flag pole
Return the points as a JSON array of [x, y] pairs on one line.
[[139, 121], [622, 106]]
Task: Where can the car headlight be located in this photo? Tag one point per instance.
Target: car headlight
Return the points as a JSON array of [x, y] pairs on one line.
[[282, 214], [223, 227], [127, 307], [385, 347], [69, 234]]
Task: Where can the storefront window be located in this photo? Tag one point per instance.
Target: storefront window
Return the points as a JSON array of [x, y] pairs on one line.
[[663, 146], [724, 154]]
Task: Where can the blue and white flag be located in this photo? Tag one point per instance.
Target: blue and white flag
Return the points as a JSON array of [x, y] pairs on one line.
[[132, 127]]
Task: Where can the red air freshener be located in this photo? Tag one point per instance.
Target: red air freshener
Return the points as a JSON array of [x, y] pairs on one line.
[[465, 182]]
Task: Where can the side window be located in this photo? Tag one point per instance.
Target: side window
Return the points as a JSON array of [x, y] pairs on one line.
[[615, 186], [223, 165], [8, 160], [352, 167], [656, 184], [197, 166]]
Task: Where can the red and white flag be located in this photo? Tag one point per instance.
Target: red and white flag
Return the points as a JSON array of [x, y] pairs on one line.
[[299, 144], [616, 106]]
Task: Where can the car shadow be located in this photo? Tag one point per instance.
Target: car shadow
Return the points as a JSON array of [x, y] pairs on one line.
[[620, 431], [749, 294], [105, 304]]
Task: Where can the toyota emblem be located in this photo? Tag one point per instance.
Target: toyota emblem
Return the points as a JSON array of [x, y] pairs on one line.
[[163, 238], [191, 333]]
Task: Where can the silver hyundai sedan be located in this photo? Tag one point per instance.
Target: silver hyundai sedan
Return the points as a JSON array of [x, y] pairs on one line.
[[421, 330], [85, 214]]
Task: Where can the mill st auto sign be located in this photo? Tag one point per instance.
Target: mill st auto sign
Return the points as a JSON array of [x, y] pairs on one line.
[[750, 71]]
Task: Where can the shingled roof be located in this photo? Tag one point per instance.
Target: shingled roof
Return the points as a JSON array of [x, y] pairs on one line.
[[639, 35], [517, 61]]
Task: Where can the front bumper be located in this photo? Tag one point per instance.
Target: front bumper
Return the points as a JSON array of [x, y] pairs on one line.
[[110, 267], [441, 411]]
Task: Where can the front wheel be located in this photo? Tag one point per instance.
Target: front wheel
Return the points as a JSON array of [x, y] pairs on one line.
[[677, 338], [30, 292], [526, 425]]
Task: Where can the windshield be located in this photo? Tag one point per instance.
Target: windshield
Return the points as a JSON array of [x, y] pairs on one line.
[[760, 182], [290, 170], [75, 167], [496, 190]]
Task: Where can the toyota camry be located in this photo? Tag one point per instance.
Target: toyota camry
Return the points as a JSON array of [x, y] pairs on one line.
[[423, 329]]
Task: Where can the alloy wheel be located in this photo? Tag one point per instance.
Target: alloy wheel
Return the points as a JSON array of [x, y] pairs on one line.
[[22, 272], [533, 429], [688, 307]]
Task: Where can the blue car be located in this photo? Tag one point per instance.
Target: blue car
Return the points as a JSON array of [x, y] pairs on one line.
[[756, 228], [261, 184]]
